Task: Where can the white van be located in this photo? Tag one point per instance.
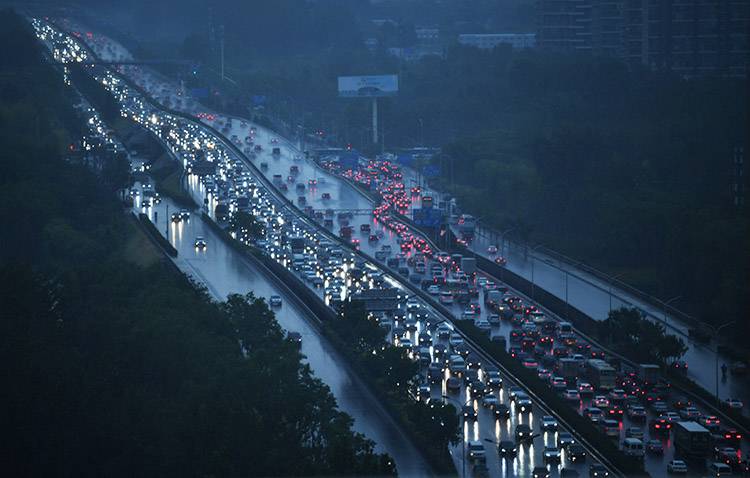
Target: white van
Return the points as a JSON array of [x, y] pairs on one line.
[[633, 447]]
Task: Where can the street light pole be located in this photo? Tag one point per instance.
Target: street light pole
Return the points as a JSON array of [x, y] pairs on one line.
[[463, 436], [533, 285], [505, 232], [716, 331], [610, 288], [666, 304]]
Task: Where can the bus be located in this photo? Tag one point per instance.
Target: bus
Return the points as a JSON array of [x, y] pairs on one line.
[[600, 374]]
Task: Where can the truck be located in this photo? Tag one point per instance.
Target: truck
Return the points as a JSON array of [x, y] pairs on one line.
[[691, 439], [648, 373], [568, 368], [469, 265]]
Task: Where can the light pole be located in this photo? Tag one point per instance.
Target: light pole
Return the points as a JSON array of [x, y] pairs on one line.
[[533, 285], [463, 437], [502, 246], [611, 280], [565, 269], [716, 331], [421, 132], [666, 304]]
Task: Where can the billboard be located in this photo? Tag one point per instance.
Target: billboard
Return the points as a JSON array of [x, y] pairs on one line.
[[368, 86]]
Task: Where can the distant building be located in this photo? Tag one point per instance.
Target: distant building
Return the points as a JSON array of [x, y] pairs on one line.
[[491, 40], [427, 35], [690, 37]]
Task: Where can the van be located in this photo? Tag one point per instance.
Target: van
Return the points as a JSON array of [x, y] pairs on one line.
[[565, 328], [633, 447]]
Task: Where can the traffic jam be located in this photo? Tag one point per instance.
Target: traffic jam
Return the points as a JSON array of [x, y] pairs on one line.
[[505, 433]]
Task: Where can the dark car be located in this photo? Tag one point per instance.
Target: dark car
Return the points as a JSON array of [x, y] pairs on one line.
[[597, 470], [540, 472], [577, 453], [523, 433], [501, 411], [507, 448], [469, 412]]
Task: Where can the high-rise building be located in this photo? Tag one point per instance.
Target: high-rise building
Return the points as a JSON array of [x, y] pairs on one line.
[[690, 37]]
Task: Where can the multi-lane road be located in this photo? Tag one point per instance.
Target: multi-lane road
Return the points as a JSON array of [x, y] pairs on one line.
[[342, 196]]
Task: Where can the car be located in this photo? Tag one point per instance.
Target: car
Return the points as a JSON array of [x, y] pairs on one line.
[[475, 449], [689, 413], [637, 413], [540, 472], [200, 243], [494, 379], [275, 301], [734, 403], [592, 413], [661, 425], [523, 405], [659, 407], [325, 196], [184, 214], [585, 388], [673, 417], [733, 436], [548, 423], [565, 440], [469, 413], [597, 470], [551, 454], [523, 433], [572, 395], [492, 250], [507, 448], [501, 411], [569, 473], [600, 401], [677, 467], [611, 428], [176, 217], [490, 400], [655, 446], [634, 432], [710, 422], [453, 384], [433, 290], [559, 384], [576, 453]]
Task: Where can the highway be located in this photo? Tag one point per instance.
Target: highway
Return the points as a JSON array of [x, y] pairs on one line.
[[532, 458], [338, 190]]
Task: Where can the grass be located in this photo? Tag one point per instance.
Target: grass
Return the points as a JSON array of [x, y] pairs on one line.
[[139, 249]]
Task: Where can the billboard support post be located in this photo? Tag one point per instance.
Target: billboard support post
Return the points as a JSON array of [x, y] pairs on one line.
[[374, 120]]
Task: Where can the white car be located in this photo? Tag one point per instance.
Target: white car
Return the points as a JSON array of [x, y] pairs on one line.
[[476, 450], [482, 324], [433, 290], [446, 297], [677, 466], [734, 403]]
